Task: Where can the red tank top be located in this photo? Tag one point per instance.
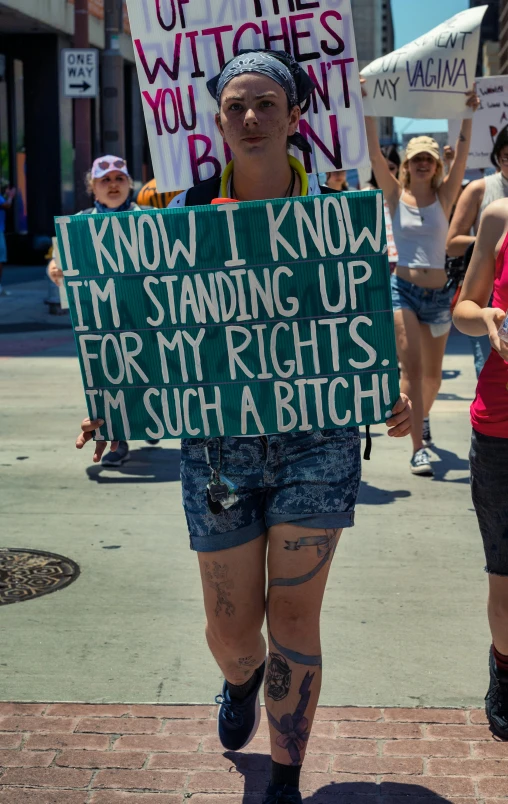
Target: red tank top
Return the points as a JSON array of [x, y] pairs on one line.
[[489, 411]]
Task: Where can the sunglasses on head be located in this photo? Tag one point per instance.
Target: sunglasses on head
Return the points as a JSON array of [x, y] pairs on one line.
[[118, 163]]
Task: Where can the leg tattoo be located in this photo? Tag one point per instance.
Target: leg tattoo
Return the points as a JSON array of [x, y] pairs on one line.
[[217, 577], [247, 661], [294, 729], [326, 545], [278, 677]]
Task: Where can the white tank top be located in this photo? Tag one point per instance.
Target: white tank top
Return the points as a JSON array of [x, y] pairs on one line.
[[420, 235], [496, 187]]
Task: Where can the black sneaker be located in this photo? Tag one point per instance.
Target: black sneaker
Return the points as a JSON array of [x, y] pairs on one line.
[[238, 721], [426, 434], [282, 794], [496, 700]]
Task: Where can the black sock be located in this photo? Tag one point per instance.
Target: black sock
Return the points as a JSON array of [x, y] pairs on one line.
[[286, 774], [241, 691]]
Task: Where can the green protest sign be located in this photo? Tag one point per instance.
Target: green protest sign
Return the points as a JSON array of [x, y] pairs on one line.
[[234, 319]]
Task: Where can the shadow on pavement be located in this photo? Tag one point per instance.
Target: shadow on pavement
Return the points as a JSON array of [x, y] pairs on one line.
[[255, 768], [371, 495], [147, 465], [449, 462]]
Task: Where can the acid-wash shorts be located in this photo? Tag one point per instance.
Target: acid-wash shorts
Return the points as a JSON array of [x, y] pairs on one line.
[[308, 479], [432, 307]]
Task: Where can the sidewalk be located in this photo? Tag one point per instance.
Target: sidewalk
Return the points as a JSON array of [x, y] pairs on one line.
[[116, 754]]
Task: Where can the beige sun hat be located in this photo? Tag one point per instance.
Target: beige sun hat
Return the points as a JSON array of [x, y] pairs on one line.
[[420, 145]]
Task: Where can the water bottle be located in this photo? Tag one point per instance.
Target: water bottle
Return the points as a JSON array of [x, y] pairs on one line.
[[503, 332]]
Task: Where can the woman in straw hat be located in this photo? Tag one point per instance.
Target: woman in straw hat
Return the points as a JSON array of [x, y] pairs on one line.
[[421, 203]]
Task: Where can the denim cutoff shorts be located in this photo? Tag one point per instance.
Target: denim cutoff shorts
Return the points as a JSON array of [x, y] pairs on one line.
[[432, 307], [489, 483], [308, 479]]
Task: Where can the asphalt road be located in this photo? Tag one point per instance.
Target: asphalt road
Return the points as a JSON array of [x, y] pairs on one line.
[[403, 619]]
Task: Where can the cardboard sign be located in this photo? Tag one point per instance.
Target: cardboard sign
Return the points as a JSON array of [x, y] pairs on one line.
[[234, 319], [181, 44], [428, 77], [491, 117]]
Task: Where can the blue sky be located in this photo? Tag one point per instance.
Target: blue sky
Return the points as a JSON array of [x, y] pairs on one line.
[[412, 18]]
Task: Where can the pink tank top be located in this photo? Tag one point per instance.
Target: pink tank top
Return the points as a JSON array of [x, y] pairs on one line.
[[489, 411]]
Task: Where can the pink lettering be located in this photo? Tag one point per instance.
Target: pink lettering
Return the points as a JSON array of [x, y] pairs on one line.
[[160, 64], [325, 47], [283, 37], [296, 35], [240, 32], [198, 72], [196, 161], [345, 86], [175, 7], [154, 104], [336, 157], [217, 35]]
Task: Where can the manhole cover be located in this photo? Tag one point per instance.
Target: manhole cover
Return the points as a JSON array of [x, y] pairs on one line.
[[26, 574]]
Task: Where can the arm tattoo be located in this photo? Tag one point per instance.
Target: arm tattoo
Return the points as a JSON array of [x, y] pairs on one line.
[[294, 729], [217, 578], [462, 138], [278, 677]]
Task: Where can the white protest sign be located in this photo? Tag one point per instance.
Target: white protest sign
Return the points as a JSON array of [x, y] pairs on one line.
[[428, 77], [488, 121], [181, 44]]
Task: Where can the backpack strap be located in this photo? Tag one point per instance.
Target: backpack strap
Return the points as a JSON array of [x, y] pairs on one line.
[[203, 193]]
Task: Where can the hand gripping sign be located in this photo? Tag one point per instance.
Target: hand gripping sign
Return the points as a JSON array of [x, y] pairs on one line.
[[428, 77], [234, 319], [181, 44]]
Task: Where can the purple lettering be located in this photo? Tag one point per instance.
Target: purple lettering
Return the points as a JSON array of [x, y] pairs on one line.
[[284, 36], [296, 35], [176, 5], [325, 47], [321, 90], [240, 32], [152, 75], [169, 129], [336, 157], [217, 35], [259, 11], [345, 86], [154, 104], [198, 72], [196, 161]]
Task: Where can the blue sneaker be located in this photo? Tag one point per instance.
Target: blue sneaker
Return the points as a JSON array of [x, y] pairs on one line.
[[238, 721], [118, 457], [282, 794]]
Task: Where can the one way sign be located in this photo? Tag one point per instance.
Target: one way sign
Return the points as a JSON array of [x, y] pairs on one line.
[[80, 68]]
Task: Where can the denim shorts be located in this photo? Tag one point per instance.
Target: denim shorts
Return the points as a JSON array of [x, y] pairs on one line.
[[432, 307], [309, 479], [489, 482]]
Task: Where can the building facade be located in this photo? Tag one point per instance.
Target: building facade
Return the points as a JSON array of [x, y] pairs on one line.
[[503, 37], [374, 33], [489, 35], [36, 120]]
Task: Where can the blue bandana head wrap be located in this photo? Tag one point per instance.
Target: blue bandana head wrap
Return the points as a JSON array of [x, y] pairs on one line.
[[277, 65]]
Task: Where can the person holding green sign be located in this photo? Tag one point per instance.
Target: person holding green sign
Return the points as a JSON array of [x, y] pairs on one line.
[[271, 505]]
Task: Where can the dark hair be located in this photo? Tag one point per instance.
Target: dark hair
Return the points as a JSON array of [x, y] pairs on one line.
[[500, 143], [390, 153]]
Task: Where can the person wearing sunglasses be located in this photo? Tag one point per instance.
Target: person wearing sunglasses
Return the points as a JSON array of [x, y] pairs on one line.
[[466, 221], [421, 204], [111, 186]]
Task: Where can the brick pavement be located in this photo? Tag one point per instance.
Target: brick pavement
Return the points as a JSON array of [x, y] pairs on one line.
[[142, 754]]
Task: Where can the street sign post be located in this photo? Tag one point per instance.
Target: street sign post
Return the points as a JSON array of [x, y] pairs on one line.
[[80, 72]]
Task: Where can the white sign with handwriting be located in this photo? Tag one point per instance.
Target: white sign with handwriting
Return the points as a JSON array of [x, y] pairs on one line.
[[181, 44], [491, 117], [428, 77]]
